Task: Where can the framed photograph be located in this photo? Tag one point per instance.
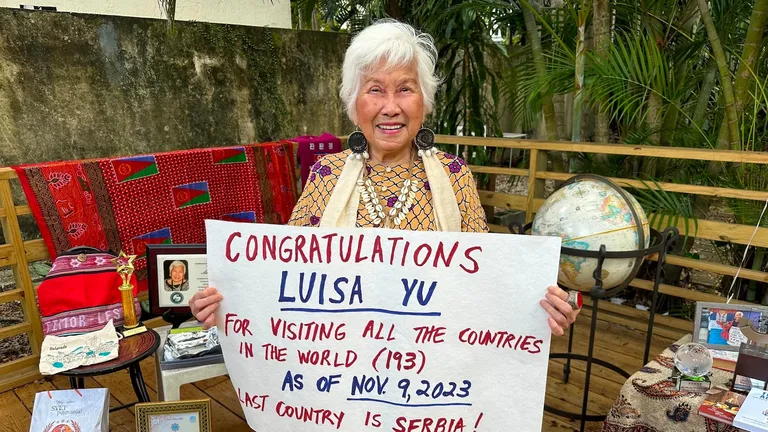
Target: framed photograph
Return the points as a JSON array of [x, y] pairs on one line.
[[175, 273], [175, 416], [716, 325]]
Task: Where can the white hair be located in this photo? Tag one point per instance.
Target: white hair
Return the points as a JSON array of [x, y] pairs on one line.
[[397, 44], [177, 264]]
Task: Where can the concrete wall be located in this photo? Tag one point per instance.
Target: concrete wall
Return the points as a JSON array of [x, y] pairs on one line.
[[80, 86], [260, 13]]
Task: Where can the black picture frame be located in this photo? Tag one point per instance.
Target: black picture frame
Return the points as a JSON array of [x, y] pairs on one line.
[[155, 250]]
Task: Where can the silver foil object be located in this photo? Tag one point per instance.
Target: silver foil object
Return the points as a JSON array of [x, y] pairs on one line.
[[190, 344]]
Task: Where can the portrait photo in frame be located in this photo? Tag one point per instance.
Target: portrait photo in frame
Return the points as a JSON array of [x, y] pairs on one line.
[[176, 416], [175, 273], [716, 325]]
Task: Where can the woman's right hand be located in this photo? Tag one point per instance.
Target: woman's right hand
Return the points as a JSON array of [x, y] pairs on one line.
[[204, 304]]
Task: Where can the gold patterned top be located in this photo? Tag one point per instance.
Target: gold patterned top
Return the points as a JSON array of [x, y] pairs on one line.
[[387, 182]]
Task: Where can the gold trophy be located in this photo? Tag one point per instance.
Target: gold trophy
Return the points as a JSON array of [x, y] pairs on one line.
[[125, 270]]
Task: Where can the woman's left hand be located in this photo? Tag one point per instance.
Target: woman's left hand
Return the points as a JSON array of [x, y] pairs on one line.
[[561, 314]]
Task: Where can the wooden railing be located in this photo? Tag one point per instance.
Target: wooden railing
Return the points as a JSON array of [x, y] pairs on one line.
[[17, 254], [537, 174]]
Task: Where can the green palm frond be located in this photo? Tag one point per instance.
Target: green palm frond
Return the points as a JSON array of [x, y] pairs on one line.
[[633, 69], [640, 135], [525, 90], [667, 209], [750, 178], [516, 83], [332, 14], [470, 62], [624, 80], [607, 166]]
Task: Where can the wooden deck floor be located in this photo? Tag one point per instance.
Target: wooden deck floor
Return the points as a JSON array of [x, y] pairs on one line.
[[616, 344]]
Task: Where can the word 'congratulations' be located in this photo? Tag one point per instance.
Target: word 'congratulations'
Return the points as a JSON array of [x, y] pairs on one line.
[[313, 249]]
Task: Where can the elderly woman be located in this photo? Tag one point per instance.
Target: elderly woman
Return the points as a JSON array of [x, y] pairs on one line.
[[392, 176], [177, 281]]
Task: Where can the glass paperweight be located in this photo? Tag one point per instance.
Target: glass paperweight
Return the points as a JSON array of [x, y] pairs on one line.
[[693, 360]]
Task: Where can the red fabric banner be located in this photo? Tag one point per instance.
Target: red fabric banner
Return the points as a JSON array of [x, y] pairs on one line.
[[125, 203]]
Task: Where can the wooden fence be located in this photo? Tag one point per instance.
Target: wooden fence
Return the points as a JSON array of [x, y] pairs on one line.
[[17, 254], [537, 174]]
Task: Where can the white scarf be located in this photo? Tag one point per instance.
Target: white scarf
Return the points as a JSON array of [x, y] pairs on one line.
[[341, 211]]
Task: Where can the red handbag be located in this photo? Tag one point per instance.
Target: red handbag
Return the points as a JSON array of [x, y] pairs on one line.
[[80, 293]]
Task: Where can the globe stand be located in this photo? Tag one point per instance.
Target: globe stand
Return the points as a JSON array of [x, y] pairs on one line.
[[660, 244]]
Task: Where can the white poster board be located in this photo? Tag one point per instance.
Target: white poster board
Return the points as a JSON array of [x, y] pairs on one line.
[[392, 330]]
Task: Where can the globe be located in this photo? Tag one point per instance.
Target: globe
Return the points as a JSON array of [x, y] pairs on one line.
[[589, 211], [693, 359]]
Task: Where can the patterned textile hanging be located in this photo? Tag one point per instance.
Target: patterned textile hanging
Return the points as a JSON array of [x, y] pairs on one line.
[[126, 203]]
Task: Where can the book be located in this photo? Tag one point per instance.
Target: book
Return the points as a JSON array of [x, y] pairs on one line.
[[746, 384], [724, 360], [753, 415], [721, 405]]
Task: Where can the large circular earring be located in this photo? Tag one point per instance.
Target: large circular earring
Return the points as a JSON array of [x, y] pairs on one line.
[[425, 142], [358, 144]]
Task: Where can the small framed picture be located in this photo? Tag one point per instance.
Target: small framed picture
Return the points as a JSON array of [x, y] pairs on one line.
[[716, 325], [175, 416], [175, 273]]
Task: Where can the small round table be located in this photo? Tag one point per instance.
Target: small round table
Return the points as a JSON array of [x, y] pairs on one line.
[[132, 350]]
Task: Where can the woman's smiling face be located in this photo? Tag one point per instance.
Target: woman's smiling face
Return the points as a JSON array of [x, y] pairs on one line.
[[177, 274], [390, 108]]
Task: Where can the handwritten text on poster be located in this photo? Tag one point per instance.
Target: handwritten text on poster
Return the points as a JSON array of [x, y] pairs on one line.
[[375, 329]]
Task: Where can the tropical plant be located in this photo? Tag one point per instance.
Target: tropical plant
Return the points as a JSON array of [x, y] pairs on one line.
[[686, 73]]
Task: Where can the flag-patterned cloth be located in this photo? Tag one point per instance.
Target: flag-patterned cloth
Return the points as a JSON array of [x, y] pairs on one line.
[[127, 203]]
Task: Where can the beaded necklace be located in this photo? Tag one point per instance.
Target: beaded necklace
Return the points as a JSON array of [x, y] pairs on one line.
[[375, 206]]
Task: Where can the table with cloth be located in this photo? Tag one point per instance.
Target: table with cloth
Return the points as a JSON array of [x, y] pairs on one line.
[[648, 401]]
